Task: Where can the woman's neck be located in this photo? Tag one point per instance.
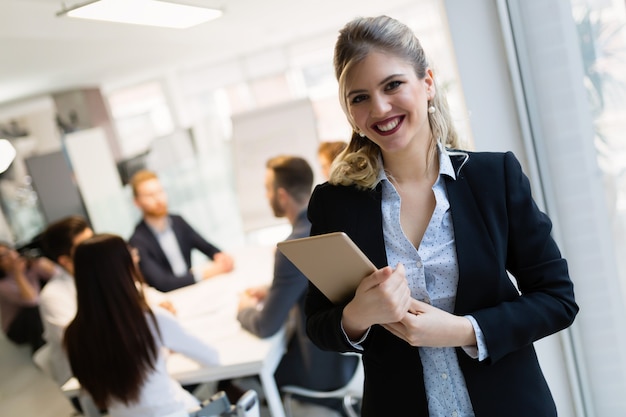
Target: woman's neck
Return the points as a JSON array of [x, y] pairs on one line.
[[412, 166]]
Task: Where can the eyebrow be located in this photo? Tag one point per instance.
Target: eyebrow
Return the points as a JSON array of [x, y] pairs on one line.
[[384, 81]]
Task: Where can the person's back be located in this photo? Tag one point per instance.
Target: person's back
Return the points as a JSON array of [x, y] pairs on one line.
[[264, 311], [117, 345], [160, 394]]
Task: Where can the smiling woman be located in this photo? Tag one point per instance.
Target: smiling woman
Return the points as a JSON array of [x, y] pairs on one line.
[[445, 227], [210, 73]]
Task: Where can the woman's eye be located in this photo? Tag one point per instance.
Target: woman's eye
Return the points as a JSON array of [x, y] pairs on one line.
[[358, 99], [393, 85]]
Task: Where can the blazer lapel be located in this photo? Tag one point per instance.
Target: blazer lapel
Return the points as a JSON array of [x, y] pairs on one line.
[[473, 246], [368, 230]]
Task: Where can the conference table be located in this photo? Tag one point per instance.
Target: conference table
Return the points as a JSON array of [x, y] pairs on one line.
[[208, 309]]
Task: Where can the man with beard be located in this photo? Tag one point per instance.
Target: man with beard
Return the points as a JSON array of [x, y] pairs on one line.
[[263, 311], [165, 240]]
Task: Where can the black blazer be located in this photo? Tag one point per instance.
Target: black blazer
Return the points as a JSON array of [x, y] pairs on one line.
[[498, 228], [153, 263]]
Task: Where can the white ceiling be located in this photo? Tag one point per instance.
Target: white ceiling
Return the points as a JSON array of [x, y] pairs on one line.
[[42, 53]]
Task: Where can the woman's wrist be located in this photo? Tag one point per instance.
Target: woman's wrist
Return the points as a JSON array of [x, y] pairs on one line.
[[466, 331], [353, 327]]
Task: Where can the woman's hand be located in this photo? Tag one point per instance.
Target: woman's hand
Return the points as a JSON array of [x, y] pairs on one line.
[[383, 297], [425, 325]]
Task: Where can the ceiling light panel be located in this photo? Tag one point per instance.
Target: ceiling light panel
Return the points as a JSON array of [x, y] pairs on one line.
[[144, 12]]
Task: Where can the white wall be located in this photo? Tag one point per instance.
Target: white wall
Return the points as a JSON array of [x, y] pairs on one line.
[[98, 181]]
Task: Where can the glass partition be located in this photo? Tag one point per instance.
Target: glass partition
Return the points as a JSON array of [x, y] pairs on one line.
[[601, 27]]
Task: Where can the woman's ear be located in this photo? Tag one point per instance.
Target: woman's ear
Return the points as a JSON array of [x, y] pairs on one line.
[[429, 80]]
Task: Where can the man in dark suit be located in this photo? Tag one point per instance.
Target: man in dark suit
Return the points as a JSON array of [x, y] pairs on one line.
[[165, 240], [263, 311]]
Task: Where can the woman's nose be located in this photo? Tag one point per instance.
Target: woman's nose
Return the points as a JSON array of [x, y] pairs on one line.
[[380, 106]]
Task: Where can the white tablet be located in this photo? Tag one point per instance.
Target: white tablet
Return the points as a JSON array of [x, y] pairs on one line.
[[332, 262]]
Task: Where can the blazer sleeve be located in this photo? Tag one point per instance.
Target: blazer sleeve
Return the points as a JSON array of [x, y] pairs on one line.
[[193, 238], [546, 302], [288, 286], [323, 323]]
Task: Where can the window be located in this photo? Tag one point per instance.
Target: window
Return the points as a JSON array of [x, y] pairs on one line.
[[601, 29], [141, 114]]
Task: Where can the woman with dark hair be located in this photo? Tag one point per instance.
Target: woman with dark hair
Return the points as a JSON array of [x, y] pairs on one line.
[[442, 328], [117, 346]]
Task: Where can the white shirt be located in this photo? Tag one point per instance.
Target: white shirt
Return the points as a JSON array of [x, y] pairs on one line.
[[169, 244], [57, 306], [161, 395]]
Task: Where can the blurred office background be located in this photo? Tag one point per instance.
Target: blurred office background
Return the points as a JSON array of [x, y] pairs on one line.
[[87, 103]]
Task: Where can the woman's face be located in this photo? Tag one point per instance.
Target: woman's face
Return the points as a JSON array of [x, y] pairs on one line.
[[388, 103]]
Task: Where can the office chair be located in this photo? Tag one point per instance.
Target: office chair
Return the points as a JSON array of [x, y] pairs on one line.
[[351, 393], [42, 359], [219, 406]]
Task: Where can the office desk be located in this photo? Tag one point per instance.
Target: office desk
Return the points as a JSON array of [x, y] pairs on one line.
[[208, 309]]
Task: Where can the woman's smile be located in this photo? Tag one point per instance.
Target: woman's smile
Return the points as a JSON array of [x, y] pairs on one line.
[[388, 126]]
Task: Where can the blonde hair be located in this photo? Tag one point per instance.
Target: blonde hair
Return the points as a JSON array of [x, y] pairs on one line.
[[358, 164]]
